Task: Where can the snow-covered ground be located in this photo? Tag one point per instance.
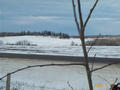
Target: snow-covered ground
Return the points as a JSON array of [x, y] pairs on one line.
[[55, 78], [54, 46]]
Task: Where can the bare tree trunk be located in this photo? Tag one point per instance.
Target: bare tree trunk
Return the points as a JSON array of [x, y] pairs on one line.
[[89, 76]]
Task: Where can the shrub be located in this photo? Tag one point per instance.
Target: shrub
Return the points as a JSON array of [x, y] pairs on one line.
[[74, 44], [25, 43]]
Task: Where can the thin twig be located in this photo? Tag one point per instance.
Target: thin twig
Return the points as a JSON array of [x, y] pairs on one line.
[[93, 62], [96, 69], [75, 16], [93, 44], [71, 64]]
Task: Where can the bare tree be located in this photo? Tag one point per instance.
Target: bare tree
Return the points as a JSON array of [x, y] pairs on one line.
[[81, 30]]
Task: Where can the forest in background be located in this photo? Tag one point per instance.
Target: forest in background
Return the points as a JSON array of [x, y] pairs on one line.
[[42, 33]]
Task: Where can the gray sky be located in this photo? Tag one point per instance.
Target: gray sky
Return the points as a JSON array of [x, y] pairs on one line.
[[57, 15]]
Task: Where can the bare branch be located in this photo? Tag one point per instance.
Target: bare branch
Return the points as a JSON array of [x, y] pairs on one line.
[[96, 69], [80, 13], [18, 70], [75, 17], [89, 15]]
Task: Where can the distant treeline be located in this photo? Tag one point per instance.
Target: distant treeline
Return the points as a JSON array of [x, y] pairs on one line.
[[95, 36], [42, 33]]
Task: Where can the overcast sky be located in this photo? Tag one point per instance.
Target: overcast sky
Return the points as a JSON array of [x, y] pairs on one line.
[[57, 15]]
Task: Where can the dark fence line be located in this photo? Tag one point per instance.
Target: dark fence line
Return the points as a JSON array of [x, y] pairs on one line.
[[59, 58]]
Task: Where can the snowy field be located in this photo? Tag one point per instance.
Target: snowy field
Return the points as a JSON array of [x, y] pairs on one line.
[[55, 78], [53, 46]]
